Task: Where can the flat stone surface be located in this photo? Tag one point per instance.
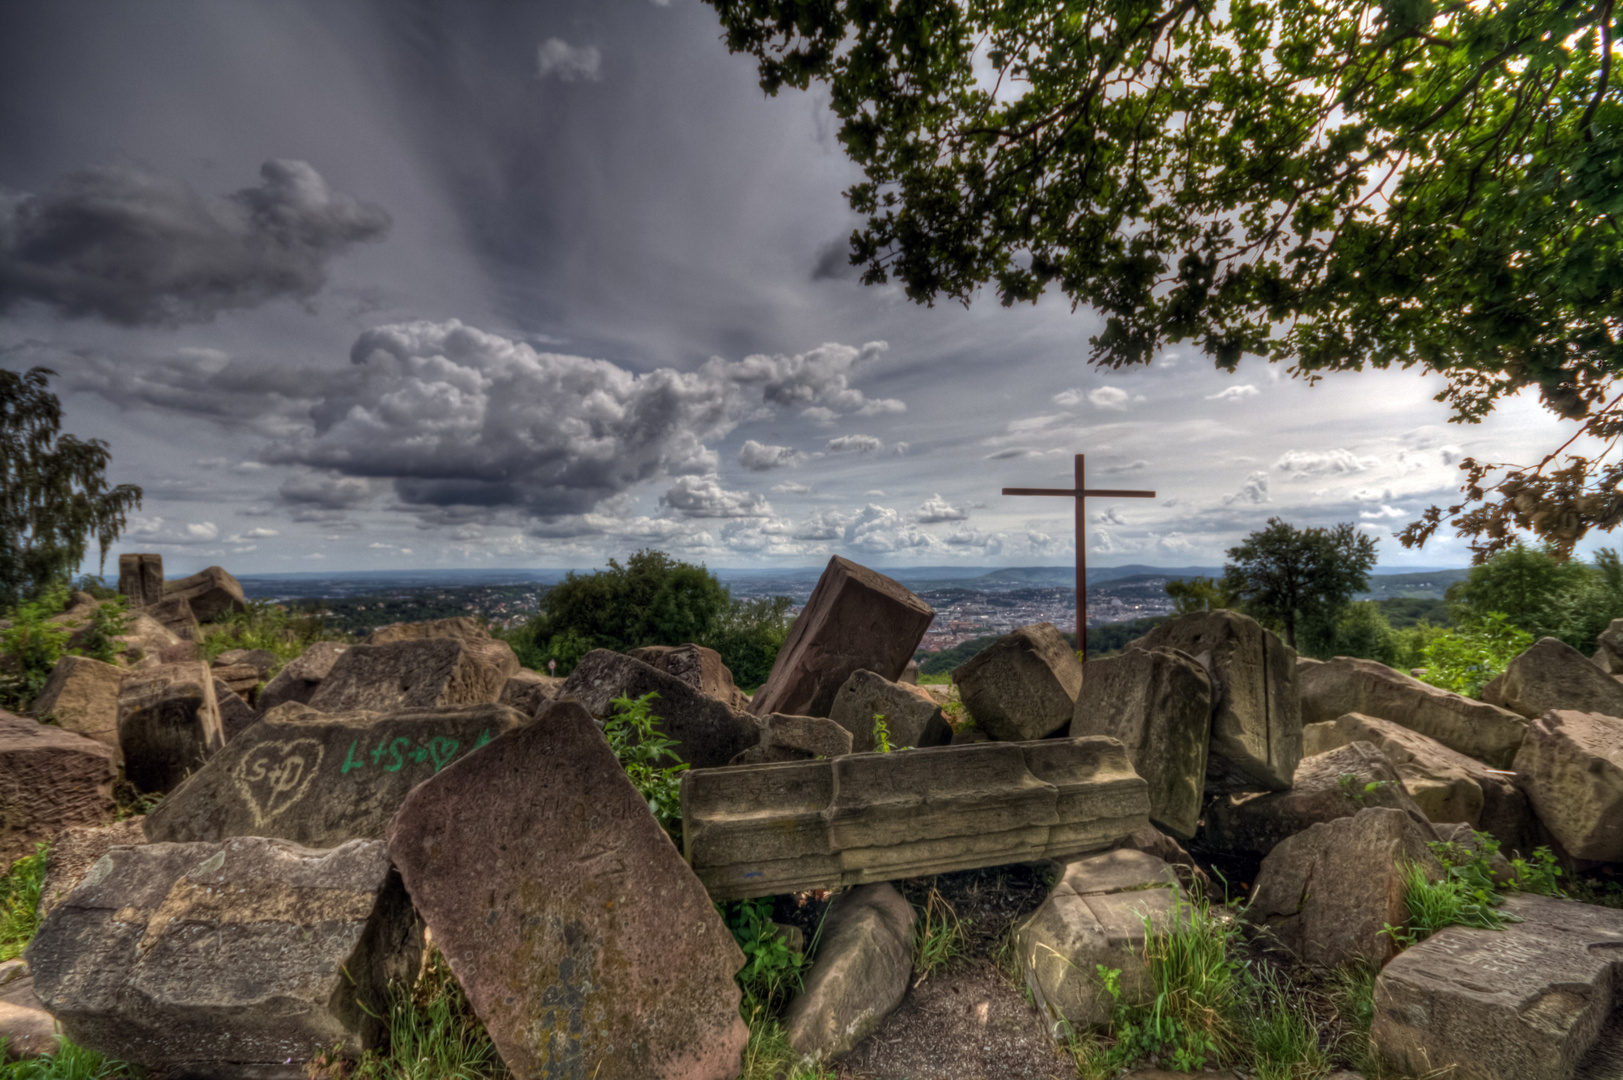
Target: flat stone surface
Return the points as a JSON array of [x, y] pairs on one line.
[[1023, 685], [239, 959], [76, 849], [796, 738], [168, 724], [212, 593], [864, 963], [1158, 702], [1554, 675], [1257, 715], [49, 779], [587, 948], [708, 732], [1473, 728], [25, 1027], [82, 696], [855, 619], [1523, 1003], [1571, 766], [461, 627], [176, 616], [912, 715], [320, 779], [417, 673], [299, 678], [261, 660], [763, 829]]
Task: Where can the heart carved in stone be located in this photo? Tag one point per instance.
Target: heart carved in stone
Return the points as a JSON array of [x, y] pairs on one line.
[[276, 774]]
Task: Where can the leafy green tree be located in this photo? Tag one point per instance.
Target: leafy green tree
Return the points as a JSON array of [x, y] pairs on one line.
[[1467, 659], [749, 636], [1324, 184], [1198, 594], [53, 491], [1300, 579], [1543, 595]]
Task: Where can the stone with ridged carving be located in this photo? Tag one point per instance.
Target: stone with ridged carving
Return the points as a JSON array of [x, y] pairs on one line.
[[49, 779]]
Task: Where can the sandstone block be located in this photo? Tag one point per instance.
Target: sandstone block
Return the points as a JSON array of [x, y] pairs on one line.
[[1023, 685], [863, 966], [855, 619], [796, 738], [242, 959], [320, 779], [1257, 716], [1152, 841], [1571, 766], [175, 614], [49, 779], [699, 667], [588, 949], [461, 627], [261, 660], [298, 680], [1158, 702], [140, 577], [146, 640], [912, 716], [1554, 675], [416, 673], [1609, 649], [765, 829], [236, 715], [708, 732], [75, 850], [168, 724], [528, 690], [212, 593], [241, 679], [82, 696]]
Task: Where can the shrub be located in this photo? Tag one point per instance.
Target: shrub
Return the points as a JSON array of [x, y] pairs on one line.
[[772, 971], [640, 747], [264, 625], [19, 902], [1467, 659], [34, 644]]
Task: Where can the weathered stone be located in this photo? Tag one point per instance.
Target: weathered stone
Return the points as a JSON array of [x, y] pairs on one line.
[[262, 660], [910, 674], [1096, 914], [1571, 766], [300, 678], [145, 639], [795, 738], [179, 654], [75, 850], [1609, 648], [82, 696], [461, 627], [699, 667], [1554, 675], [528, 690], [242, 959], [1023, 685], [912, 716], [212, 593], [780, 828], [241, 679], [1256, 716], [416, 673], [175, 614], [168, 724], [49, 779], [1522, 1003], [1473, 728], [1326, 893], [320, 779], [236, 715], [26, 1029], [1335, 784], [1158, 702], [708, 732], [140, 577], [863, 966], [1152, 841], [587, 948], [855, 619]]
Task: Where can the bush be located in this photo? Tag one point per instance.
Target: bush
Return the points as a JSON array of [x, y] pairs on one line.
[[264, 625], [1543, 596], [1467, 659], [19, 902], [749, 635], [640, 747], [34, 644]]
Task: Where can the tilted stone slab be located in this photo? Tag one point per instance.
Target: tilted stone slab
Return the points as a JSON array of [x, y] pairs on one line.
[[236, 715], [461, 627], [762, 829], [1571, 766], [527, 691], [855, 619], [211, 592], [242, 959], [1554, 675], [699, 667], [49, 779], [796, 738], [140, 577], [863, 967], [320, 779], [1023, 685], [708, 732], [912, 716], [299, 680], [417, 673], [168, 724], [82, 696], [1522, 1003]]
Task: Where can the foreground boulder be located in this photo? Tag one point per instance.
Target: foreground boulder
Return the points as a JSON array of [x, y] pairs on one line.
[[75, 850], [168, 724], [1257, 715], [855, 619], [242, 959], [50, 779], [1554, 675], [864, 963], [1327, 893], [1023, 685], [765, 829], [1522, 1003], [300, 678], [320, 779], [911, 715], [82, 696], [588, 948], [1474, 728], [699, 667], [211, 593], [708, 732], [796, 738], [1158, 702], [417, 673], [1571, 766]]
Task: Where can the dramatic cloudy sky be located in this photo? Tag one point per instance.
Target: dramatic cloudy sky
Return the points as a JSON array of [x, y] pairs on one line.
[[352, 286]]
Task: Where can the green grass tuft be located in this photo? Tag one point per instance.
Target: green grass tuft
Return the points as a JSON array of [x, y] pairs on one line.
[[19, 902], [433, 1035], [939, 936], [69, 1062]]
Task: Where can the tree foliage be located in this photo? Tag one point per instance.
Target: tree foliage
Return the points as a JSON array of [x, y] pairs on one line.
[[53, 490], [1300, 579], [1542, 595], [1330, 185]]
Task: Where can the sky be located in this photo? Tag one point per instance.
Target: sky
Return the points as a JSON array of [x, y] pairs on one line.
[[475, 284]]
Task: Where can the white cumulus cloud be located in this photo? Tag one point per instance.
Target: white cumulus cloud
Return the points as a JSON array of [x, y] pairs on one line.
[[935, 509], [1234, 393], [862, 444], [704, 497], [1337, 462], [760, 457]]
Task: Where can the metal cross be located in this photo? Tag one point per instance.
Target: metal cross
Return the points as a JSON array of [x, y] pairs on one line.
[[1081, 493]]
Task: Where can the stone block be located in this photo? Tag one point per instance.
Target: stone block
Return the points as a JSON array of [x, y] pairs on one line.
[[765, 829], [461, 627], [416, 673], [912, 716], [212, 593], [320, 779], [528, 690], [50, 779], [174, 613], [241, 679], [864, 964], [140, 577], [261, 660], [168, 724], [699, 667], [588, 948], [1554, 675], [1609, 648], [298, 680], [1257, 715], [146, 640], [82, 696], [236, 715], [855, 619], [796, 738], [1571, 766], [708, 732], [242, 959], [75, 850], [1158, 702], [1023, 685]]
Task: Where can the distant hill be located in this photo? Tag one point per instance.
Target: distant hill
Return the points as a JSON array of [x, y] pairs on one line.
[[1427, 584]]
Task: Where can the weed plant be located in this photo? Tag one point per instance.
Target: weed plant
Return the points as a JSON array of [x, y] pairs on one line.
[[68, 1062], [768, 1055], [640, 747], [433, 1034], [19, 902], [881, 735], [1468, 894], [772, 971], [939, 936]]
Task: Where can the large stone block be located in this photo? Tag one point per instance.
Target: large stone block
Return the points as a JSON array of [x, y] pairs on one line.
[[764, 829], [912, 716], [1609, 648], [416, 673], [146, 640], [242, 959], [1571, 766], [855, 619], [212, 593], [75, 850], [1522, 1003], [1348, 685], [587, 948], [1023, 685], [699, 667], [527, 691], [1158, 702], [236, 715], [796, 738], [50, 779], [140, 577], [175, 614], [708, 732], [1554, 675], [864, 963], [1257, 718], [299, 679], [82, 696], [168, 724], [320, 779], [461, 627]]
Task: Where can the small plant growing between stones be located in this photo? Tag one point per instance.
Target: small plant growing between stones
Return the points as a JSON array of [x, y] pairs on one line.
[[640, 747], [69, 1061], [939, 936], [881, 735], [19, 903], [1464, 896], [771, 971], [1357, 793], [433, 1035]]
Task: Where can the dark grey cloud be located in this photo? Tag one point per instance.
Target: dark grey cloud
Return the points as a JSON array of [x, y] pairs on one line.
[[125, 244], [761, 457], [834, 262]]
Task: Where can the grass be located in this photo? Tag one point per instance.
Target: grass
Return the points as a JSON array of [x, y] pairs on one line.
[[433, 1035], [939, 936], [69, 1062], [19, 902], [268, 626], [768, 1055]]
